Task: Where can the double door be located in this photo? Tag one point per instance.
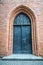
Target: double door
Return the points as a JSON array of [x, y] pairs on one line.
[[22, 39], [22, 43]]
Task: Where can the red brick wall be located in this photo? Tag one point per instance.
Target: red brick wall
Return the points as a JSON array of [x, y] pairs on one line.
[[6, 6]]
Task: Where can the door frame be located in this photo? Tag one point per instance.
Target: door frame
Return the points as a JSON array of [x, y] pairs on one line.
[[12, 16]]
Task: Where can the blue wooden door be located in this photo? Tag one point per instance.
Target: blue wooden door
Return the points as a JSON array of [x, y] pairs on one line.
[[22, 42]]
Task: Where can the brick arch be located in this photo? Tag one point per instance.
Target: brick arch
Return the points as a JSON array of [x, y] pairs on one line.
[[13, 14]]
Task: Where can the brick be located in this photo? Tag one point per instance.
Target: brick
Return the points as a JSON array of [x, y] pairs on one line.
[[6, 7]]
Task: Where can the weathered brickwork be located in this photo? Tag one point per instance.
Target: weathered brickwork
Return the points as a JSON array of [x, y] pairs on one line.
[[6, 6]]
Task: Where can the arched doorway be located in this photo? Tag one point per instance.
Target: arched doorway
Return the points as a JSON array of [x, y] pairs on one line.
[[13, 14], [22, 39]]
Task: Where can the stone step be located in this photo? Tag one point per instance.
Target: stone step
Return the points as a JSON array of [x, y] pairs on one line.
[[21, 59], [14, 62]]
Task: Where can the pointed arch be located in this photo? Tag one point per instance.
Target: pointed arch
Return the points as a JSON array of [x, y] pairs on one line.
[[13, 14]]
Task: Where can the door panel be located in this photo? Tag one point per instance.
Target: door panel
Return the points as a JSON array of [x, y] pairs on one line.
[[17, 39], [26, 39]]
